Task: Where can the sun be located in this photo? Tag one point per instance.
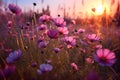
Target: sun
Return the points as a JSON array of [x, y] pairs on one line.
[[99, 10]]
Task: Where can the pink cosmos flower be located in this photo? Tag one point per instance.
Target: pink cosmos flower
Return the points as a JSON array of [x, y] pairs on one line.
[[69, 40], [73, 22], [63, 30], [44, 18], [89, 60], [105, 57], [81, 31], [9, 24], [53, 34], [98, 46], [42, 27], [93, 37], [74, 66], [14, 9], [59, 22]]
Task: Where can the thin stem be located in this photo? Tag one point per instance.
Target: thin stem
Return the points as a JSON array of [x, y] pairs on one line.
[[113, 71]]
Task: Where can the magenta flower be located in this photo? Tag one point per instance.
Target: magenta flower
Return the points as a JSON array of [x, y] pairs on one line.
[[44, 18], [56, 50], [42, 44], [42, 27], [9, 24], [59, 22], [105, 57], [98, 46], [13, 56], [69, 40], [73, 22], [8, 70], [14, 9], [63, 30], [74, 66], [80, 31], [53, 34], [93, 37], [89, 60]]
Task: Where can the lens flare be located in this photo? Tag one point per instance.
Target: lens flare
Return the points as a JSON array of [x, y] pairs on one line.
[[99, 10]]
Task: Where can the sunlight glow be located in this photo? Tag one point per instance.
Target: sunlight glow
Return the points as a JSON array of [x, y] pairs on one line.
[[99, 10]]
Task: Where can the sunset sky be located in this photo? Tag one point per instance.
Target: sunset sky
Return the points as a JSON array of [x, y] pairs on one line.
[[57, 6]]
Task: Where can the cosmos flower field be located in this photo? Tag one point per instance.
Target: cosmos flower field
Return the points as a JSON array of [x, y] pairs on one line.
[[40, 47]]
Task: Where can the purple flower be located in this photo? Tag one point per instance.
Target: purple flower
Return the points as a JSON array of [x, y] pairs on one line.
[[105, 57], [39, 72], [34, 64], [53, 34], [13, 56], [14, 9], [56, 50], [44, 68], [44, 18], [42, 44], [59, 22]]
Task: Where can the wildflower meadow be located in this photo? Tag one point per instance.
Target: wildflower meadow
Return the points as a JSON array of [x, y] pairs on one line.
[[37, 46]]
